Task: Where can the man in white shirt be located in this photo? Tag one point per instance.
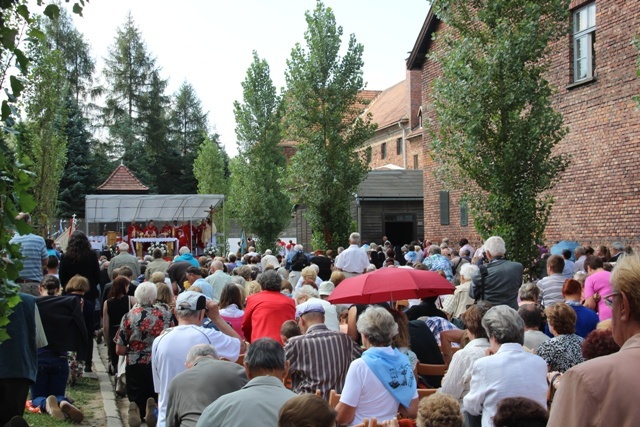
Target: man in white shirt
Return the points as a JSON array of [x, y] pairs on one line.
[[353, 260], [170, 349]]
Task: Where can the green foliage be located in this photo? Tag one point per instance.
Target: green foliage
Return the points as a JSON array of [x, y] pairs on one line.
[[208, 167], [15, 180], [323, 116], [496, 129], [129, 71], [187, 130], [42, 142], [257, 200]]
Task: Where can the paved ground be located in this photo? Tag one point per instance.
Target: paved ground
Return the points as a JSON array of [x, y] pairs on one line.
[[114, 417]]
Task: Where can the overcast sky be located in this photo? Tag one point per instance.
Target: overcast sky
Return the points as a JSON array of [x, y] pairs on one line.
[[209, 42]]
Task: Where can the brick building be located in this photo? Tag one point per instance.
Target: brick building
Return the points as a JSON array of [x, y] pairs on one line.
[[598, 197], [397, 142]]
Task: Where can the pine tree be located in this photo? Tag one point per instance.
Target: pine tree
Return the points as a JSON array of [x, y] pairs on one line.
[[188, 130], [129, 70]]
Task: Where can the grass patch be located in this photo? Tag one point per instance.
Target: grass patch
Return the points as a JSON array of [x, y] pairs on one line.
[[85, 390]]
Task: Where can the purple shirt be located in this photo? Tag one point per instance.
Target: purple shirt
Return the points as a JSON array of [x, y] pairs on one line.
[[599, 282]]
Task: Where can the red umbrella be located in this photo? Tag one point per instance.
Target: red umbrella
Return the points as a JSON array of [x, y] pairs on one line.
[[390, 284]]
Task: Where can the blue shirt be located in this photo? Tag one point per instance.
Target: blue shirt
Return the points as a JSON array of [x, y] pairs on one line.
[[33, 250]]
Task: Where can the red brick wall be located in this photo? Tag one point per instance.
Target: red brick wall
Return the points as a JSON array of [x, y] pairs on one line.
[[597, 200], [598, 197], [432, 229]]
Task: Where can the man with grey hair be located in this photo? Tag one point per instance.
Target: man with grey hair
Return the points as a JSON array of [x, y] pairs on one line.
[[319, 359], [510, 372], [458, 303], [498, 281], [260, 400], [435, 261], [157, 264], [617, 251], [205, 380], [218, 278], [170, 349], [124, 258], [353, 261], [581, 256]]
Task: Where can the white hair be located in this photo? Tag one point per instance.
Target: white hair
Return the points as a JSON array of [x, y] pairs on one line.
[[307, 290], [201, 350], [124, 247], [297, 248], [146, 293], [316, 268], [467, 270], [185, 250], [495, 245], [371, 268], [354, 238]]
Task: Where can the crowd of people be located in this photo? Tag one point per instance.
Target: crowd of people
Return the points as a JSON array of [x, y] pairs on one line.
[[253, 339]]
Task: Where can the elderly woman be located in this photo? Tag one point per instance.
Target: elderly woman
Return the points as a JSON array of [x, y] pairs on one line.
[[439, 410], [596, 286], [510, 372], [457, 304], [267, 310], [308, 276], [587, 319], [381, 383], [458, 378], [564, 350], [138, 328], [529, 293]]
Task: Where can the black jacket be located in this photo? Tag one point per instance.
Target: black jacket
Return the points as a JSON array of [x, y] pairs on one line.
[[64, 324]]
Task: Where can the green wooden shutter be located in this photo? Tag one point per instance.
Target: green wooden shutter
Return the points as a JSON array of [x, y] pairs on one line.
[[444, 208]]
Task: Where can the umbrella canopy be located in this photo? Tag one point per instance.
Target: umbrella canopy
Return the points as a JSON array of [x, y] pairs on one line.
[[565, 244], [390, 284]]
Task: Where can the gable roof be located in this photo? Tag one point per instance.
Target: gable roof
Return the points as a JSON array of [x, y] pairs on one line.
[[122, 180], [390, 107], [421, 47]]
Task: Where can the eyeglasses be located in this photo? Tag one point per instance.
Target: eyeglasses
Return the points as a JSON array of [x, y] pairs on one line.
[[608, 300]]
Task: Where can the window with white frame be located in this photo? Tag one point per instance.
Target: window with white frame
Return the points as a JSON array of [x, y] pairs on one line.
[[584, 37]]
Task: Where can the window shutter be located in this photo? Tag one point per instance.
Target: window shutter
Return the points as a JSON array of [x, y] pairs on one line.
[[444, 208]]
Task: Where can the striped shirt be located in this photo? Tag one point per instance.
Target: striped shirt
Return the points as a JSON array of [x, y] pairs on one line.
[[34, 250], [320, 359]]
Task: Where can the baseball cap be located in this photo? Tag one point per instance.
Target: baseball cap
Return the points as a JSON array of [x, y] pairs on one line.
[[326, 288], [190, 300], [308, 307]]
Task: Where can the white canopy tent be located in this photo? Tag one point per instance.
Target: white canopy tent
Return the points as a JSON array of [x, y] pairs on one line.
[[102, 208]]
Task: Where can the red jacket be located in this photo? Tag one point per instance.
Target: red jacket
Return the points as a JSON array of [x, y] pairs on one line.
[[265, 313]]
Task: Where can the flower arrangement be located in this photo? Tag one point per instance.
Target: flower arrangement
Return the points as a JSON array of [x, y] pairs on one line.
[[210, 251], [158, 245]]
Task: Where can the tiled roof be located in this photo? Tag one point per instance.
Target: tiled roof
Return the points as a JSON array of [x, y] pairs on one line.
[[390, 106], [122, 180]]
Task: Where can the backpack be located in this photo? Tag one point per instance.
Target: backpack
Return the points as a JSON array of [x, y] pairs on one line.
[[299, 261]]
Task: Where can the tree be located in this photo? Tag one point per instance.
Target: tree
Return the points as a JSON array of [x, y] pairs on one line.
[[129, 71], [188, 130], [78, 178], [257, 199], [322, 114], [42, 142], [209, 167], [495, 127], [15, 179]]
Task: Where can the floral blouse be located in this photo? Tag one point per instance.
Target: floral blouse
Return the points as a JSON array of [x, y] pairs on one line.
[[562, 352], [138, 329]]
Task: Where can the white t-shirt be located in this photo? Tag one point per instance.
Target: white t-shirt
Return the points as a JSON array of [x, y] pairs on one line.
[[169, 355], [364, 391]]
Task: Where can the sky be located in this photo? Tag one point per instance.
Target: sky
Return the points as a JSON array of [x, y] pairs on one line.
[[209, 43]]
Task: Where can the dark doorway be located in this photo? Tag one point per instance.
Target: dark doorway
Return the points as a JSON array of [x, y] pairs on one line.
[[399, 232]]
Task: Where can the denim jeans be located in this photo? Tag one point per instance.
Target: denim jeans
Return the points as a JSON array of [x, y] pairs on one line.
[[53, 372]]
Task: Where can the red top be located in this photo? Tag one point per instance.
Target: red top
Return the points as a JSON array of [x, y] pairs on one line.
[[265, 313]]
